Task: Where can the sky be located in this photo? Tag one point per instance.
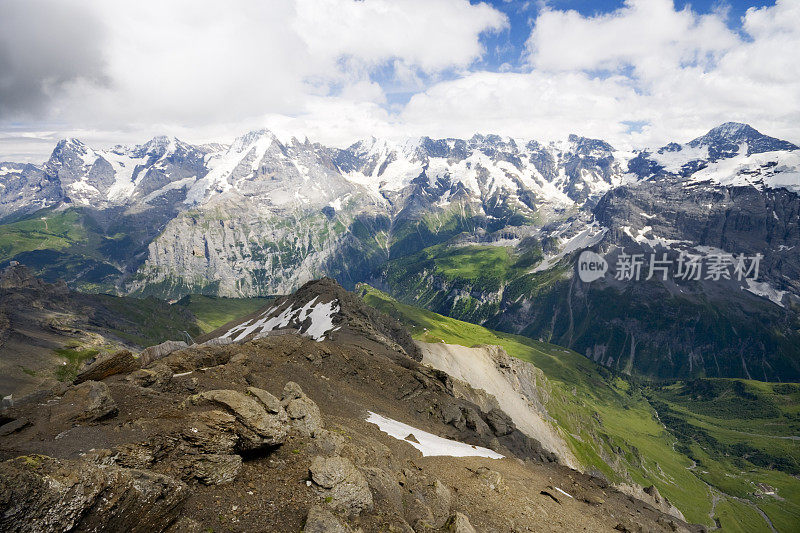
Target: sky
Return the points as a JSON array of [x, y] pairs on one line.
[[637, 73]]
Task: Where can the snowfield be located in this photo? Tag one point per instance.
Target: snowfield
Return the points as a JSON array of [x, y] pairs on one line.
[[428, 443]]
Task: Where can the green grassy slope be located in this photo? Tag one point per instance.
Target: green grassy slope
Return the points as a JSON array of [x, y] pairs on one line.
[[47, 230], [213, 312], [63, 245], [742, 436], [613, 428]]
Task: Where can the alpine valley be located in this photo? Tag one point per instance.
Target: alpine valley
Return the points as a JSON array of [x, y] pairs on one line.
[[485, 230]]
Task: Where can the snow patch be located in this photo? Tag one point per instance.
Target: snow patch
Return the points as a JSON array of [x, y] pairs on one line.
[[428, 443], [765, 290], [321, 315]]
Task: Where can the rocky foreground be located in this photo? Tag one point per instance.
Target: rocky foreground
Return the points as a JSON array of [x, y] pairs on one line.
[[270, 434]]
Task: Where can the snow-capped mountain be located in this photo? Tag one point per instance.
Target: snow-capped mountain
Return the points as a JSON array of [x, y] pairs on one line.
[[263, 215]]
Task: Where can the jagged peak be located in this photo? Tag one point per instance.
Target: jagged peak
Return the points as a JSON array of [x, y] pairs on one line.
[[734, 133], [253, 136], [729, 131]]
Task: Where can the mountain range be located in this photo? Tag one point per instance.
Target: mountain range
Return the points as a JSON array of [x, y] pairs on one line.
[[486, 229]]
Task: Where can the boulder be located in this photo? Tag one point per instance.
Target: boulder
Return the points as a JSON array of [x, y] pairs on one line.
[[263, 428], [500, 423], [158, 374], [270, 402], [384, 488], [321, 520], [159, 351], [42, 494], [341, 482], [459, 523], [217, 341], [88, 402], [213, 469], [435, 499], [212, 432], [304, 414], [327, 443], [109, 364]]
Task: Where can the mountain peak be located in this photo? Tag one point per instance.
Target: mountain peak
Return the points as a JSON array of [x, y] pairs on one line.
[[723, 140], [251, 137]]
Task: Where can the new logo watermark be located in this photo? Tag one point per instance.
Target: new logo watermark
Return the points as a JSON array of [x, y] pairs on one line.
[[591, 266], [636, 267]]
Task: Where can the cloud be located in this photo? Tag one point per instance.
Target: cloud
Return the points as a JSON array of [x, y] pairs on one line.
[[338, 70], [689, 71], [672, 73], [193, 64], [44, 47]]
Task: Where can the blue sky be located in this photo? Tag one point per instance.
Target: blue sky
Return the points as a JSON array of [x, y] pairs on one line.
[[637, 73]]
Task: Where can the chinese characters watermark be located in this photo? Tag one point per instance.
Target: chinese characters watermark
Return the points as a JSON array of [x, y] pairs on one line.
[[686, 267]]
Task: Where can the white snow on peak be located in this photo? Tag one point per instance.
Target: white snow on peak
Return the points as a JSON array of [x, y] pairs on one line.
[[252, 146], [321, 315], [673, 161], [779, 169], [428, 443], [124, 167], [591, 235]]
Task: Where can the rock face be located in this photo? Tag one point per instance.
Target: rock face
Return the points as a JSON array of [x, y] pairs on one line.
[[120, 362], [90, 401], [304, 415], [159, 351], [224, 437], [343, 485], [43, 494], [261, 429], [321, 520]]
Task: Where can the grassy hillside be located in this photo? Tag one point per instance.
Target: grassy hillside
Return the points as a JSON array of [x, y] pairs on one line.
[[63, 245], [613, 427], [213, 312]]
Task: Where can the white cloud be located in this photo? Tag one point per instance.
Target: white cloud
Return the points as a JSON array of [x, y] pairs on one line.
[[204, 65], [210, 70], [690, 71], [431, 35], [677, 72]]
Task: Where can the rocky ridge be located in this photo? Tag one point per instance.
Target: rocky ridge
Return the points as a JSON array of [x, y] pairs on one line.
[[270, 434]]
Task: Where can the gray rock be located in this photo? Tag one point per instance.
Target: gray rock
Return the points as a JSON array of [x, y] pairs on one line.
[[212, 432], [304, 415], [14, 426], [321, 520], [215, 469], [343, 483], [8, 401], [270, 402], [42, 494], [384, 488], [434, 496], [157, 374], [217, 341], [327, 443], [159, 351], [262, 428], [88, 402], [459, 523], [106, 365]]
